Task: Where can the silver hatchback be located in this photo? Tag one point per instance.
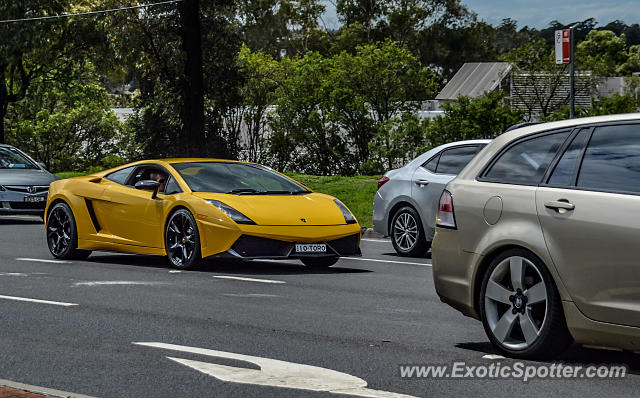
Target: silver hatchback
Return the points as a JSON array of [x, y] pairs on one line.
[[406, 203]]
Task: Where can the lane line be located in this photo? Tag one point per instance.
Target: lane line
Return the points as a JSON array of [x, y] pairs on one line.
[[42, 260], [251, 295], [238, 278], [60, 303], [13, 274], [384, 261], [118, 283]]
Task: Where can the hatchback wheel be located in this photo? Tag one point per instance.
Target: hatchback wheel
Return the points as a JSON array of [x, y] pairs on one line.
[[407, 234], [62, 234], [182, 240], [521, 309]]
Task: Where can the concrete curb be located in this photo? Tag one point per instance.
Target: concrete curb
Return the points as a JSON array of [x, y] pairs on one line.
[[41, 390], [369, 233]]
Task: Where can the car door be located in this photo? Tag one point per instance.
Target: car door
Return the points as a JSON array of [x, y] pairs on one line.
[[131, 215], [430, 178], [588, 209]]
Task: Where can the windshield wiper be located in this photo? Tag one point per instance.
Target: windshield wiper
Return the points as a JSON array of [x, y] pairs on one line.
[[251, 191], [244, 191], [283, 192]]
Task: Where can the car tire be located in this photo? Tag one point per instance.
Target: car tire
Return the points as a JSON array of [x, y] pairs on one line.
[[182, 240], [62, 234], [319, 262], [407, 234], [521, 309]]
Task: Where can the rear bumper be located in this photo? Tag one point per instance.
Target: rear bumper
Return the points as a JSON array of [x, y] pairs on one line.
[[454, 271]]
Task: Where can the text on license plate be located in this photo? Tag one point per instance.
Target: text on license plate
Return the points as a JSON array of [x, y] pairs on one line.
[[34, 198], [311, 248]]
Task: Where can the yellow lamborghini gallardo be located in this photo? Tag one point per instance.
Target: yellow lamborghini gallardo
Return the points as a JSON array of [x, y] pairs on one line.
[[188, 209]]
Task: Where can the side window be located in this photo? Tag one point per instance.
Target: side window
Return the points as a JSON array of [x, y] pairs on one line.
[[568, 164], [453, 160], [432, 163], [612, 160], [120, 176], [172, 187], [527, 161]]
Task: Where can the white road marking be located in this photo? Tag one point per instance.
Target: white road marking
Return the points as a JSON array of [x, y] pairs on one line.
[[42, 260], [175, 271], [238, 278], [384, 261], [376, 240], [493, 356], [111, 283], [63, 304], [249, 295], [275, 373], [13, 274]]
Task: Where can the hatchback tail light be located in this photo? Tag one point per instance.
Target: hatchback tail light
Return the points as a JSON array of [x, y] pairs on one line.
[[446, 218], [382, 181]]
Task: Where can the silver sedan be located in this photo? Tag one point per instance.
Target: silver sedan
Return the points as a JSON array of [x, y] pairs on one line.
[[406, 203]]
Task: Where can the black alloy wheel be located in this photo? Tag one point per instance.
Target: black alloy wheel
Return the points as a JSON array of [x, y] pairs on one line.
[[62, 234], [182, 240]]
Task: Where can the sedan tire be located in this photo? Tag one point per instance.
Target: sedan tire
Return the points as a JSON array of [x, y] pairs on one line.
[[521, 309], [407, 235]]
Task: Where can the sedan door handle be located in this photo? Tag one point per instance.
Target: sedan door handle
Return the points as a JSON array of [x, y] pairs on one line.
[[559, 205], [422, 183]]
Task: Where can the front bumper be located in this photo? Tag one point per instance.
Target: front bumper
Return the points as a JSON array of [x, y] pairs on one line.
[[13, 202], [271, 241], [254, 247]]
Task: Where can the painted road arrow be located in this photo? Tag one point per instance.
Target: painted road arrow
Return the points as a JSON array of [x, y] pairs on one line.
[[276, 373]]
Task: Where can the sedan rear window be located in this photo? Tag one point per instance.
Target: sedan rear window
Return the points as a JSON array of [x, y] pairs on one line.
[[612, 160], [526, 162]]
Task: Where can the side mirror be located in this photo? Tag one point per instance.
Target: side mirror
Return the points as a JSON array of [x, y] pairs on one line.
[[42, 165], [149, 185]]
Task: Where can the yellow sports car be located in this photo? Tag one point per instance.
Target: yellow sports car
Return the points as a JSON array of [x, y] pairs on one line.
[[188, 209]]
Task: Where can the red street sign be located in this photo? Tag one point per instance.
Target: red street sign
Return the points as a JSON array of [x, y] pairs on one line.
[[563, 50]]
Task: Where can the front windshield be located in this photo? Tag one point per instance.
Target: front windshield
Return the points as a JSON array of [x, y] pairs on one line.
[[235, 178], [11, 158]]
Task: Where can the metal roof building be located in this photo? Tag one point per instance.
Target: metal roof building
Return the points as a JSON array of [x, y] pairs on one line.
[[475, 79]]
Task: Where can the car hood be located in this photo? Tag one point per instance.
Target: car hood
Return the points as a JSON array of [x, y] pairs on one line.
[[25, 177], [314, 208]]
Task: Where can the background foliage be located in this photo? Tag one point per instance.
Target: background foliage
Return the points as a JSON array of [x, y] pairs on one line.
[[266, 81]]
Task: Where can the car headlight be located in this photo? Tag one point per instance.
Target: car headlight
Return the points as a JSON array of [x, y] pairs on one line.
[[348, 217], [234, 214]]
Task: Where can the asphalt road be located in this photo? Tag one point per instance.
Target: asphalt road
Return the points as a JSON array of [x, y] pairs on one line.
[[362, 317]]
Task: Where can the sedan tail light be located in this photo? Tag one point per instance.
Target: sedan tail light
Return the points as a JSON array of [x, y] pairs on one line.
[[446, 217], [382, 181]]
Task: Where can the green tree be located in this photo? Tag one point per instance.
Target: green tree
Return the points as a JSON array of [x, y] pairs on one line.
[[471, 118], [66, 126], [602, 52]]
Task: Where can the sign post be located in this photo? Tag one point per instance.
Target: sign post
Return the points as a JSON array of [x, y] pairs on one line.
[[564, 55]]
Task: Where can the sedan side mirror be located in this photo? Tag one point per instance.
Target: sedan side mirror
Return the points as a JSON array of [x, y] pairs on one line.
[[149, 185], [42, 165]]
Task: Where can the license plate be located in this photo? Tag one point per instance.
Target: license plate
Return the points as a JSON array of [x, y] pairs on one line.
[[311, 248], [34, 199]]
